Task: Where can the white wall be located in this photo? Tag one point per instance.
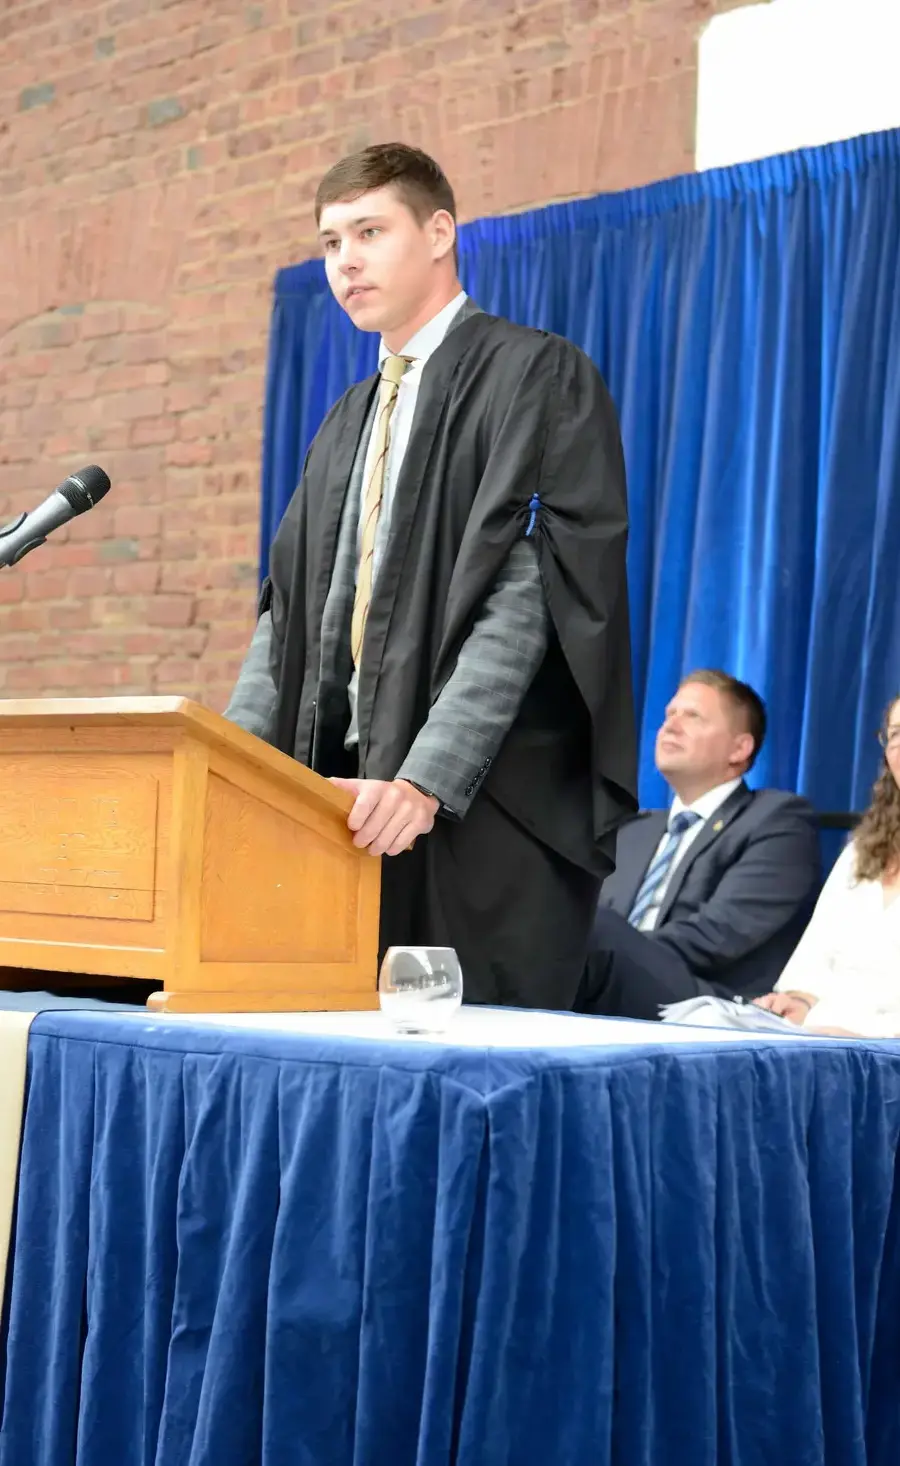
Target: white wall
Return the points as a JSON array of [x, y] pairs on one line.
[[796, 73]]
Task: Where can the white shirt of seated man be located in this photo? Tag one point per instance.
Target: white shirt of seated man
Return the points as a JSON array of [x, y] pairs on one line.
[[844, 976]]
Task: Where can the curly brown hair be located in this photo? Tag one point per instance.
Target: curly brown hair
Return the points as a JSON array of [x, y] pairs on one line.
[[877, 837]]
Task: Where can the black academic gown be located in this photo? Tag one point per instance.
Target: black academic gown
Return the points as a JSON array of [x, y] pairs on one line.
[[514, 433]]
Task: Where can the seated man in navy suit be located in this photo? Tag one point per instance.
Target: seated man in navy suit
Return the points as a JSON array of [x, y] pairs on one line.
[[714, 896]]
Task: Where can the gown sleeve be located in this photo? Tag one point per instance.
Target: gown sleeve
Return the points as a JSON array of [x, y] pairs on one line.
[[555, 468]]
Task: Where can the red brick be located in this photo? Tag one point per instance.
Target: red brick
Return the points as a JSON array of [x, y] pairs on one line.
[[78, 387], [73, 554], [12, 588], [18, 648], [137, 579], [33, 677], [316, 61], [146, 644], [177, 671], [137, 522], [101, 322], [182, 576], [186, 396], [143, 347], [83, 584], [30, 616], [246, 144], [186, 455], [153, 430], [121, 379], [141, 402], [46, 585], [68, 617], [96, 676], [170, 610]]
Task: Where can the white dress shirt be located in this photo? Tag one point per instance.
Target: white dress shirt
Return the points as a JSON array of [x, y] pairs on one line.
[[849, 956], [705, 807], [421, 346]]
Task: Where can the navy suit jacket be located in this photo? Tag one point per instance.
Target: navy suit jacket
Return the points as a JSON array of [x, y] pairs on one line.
[[740, 898]]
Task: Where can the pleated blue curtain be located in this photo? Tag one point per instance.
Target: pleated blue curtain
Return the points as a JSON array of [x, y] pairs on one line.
[[747, 321]]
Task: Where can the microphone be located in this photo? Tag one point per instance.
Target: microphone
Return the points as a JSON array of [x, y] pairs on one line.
[[80, 492]]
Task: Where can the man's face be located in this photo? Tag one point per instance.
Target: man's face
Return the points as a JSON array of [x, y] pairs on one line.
[[380, 261], [702, 738]]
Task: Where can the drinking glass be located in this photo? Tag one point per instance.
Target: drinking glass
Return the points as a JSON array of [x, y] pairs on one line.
[[420, 988]]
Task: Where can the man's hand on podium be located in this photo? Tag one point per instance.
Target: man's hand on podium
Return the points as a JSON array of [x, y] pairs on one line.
[[388, 817]]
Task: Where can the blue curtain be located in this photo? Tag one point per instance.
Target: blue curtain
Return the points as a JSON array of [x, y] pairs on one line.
[[747, 321]]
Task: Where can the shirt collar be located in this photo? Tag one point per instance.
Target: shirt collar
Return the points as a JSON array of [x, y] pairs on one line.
[[428, 337], [709, 802]]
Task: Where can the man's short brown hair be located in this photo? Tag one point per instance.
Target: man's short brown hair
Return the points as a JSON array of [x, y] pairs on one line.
[[417, 178], [419, 181], [744, 698]]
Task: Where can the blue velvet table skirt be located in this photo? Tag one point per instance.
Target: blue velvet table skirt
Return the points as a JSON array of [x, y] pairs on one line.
[[263, 1249]]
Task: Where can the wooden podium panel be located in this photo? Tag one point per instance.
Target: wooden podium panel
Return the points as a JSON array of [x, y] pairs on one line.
[[148, 838], [78, 841]]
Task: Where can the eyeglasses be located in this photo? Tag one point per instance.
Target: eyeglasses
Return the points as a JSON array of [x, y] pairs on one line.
[[889, 738]]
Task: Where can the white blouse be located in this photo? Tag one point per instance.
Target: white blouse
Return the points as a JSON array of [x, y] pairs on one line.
[[849, 956]]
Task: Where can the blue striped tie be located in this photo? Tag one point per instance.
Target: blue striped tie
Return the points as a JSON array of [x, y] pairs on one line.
[[660, 865]]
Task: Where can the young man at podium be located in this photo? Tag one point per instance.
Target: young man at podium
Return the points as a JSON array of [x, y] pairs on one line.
[[444, 630]]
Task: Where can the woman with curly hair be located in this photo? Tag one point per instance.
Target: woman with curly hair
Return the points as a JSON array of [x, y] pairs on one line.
[[844, 976]]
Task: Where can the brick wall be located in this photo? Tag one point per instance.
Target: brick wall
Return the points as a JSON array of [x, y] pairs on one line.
[[157, 164]]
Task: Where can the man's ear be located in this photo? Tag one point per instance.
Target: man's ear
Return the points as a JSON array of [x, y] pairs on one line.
[[743, 749], [443, 233]]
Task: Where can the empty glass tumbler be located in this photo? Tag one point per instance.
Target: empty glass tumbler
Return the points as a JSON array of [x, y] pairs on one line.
[[420, 988]]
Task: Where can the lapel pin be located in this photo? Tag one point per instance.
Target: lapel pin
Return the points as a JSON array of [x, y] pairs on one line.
[[719, 825]]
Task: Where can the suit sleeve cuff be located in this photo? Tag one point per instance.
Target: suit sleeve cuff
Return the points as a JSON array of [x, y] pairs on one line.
[[428, 781]]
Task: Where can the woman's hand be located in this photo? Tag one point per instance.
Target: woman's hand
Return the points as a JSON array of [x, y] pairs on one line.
[[792, 1006]]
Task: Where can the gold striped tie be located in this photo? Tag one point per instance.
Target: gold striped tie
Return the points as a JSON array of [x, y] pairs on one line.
[[392, 370]]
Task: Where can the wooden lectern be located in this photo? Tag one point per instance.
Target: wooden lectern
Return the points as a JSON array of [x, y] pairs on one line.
[[149, 838]]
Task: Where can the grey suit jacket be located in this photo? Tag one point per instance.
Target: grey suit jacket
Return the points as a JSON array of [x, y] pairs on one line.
[[478, 704]]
